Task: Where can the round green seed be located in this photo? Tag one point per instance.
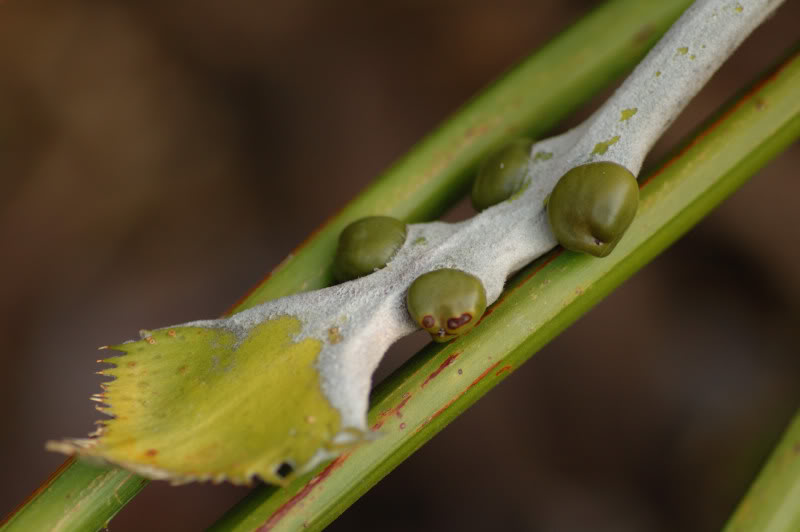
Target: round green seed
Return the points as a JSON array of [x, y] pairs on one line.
[[592, 206], [502, 174], [446, 303], [367, 245]]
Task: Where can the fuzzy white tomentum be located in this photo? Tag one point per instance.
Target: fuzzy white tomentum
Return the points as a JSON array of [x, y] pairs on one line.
[[369, 314]]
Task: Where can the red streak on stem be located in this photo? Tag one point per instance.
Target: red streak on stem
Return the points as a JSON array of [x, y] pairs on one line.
[[502, 370], [551, 258], [395, 410], [449, 360], [482, 375], [63, 467], [286, 507], [454, 399]]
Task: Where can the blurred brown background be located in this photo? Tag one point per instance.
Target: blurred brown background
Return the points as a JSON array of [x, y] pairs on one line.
[[157, 158]]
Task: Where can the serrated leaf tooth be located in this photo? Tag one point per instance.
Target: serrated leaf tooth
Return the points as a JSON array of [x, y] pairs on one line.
[[69, 446], [180, 481], [122, 348], [109, 361]]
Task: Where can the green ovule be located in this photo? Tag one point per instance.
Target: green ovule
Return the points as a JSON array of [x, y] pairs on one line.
[[502, 174], [446, 302], [367, 245], [592, 206]]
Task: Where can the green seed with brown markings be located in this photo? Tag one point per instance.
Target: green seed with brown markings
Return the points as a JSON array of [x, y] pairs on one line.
[[446, 303]]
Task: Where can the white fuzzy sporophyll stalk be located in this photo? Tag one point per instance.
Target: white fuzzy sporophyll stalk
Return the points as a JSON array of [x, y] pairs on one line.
[[345, 330]]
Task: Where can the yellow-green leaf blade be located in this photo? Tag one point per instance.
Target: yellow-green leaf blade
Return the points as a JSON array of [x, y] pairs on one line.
[[197, 403]]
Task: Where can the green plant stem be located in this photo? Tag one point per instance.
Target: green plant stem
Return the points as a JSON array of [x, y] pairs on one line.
[[773, 502], [439, 383], [531, 99], [78, 496]]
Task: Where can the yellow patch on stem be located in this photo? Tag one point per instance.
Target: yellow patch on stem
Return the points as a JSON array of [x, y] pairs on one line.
[[602, 147], [627, 113]]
